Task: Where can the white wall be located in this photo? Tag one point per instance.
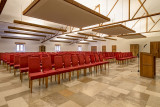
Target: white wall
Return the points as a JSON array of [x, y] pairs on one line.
[[8, 45], [123, 45]]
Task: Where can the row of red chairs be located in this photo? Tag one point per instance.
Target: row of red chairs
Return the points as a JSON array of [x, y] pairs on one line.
[[62, 63]]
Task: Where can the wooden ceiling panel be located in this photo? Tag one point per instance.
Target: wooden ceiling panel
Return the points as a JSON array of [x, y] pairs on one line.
[[67, 12], [85, 34], [114, 30], [132, 36], [60, 41]]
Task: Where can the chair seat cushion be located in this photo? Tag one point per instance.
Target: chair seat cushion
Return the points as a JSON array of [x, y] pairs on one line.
[[37, 75], [24, 69], [51, 72], [11, 64], [16, 66]]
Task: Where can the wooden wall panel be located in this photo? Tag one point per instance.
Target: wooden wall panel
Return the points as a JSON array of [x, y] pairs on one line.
[[155, 49], [134, 48], [94, 48], [104, 48], [114, 48], [42, 48]]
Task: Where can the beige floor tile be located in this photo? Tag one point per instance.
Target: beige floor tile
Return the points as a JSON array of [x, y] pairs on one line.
[[69, 104], [40, 103], [66, 92], [71, 83], [18, 102], [140, 88], [97, 104], [153, 101], [123, 91]]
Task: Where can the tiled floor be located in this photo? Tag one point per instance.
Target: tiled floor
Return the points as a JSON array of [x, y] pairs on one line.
[[117, 88]]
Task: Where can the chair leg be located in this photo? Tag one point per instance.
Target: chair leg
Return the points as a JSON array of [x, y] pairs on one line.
[[105, 66], [43, 80], [73, 73], [14, 71], [39, 82], [55, 77], [85, 72], [10, 69], [62, 76], [69, 76], [7, 67], [31, 83], [46, 82], [21, 76], [108, 67], [51, 78], [58, 78], [77, 74], [65, 75], [96, 69]]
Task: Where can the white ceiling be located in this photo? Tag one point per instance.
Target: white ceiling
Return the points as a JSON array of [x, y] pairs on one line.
[[13, 11]]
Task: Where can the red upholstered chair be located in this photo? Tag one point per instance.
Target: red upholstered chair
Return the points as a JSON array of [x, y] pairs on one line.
[[23, 66], [82, 63], [68, 64], [101, 60], [35, 71], [11, 61], [16, 63], [59, 67], [47, 67]]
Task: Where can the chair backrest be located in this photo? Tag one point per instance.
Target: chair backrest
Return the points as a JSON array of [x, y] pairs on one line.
[[23, 61], [74, 60], [97, 57], [67, 60], [58, 60], [12, 58], [46, 63], [87, 59], [34, 64], [101, 57], [16, 60], [92, 58], [81, 59]]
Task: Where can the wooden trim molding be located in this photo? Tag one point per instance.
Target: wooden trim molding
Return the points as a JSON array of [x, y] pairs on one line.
[[2, 4], [31, 30], [20, 43], [37, 25], [24, 33], [57, 44]]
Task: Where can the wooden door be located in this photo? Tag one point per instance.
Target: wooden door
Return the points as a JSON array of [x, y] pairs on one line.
[[114, 48], [155, 49], [134, 48], [93, 48], [42, 48], [104, 48]]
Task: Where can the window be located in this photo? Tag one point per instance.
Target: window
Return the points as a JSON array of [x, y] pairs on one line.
[[20, 47], [79, 48], [57, 48]]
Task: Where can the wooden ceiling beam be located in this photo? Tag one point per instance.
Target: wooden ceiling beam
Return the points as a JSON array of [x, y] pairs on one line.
[[60, 41], [98, 39], [67, 38], [2, 4], [30, 30], [112, 8], [137, 22], [90, 40], [109, 38], [4, 37], [10, 32], [138, 9], [154, 24], [37, 25], [76, 36], [146, 10], [89, 35]]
